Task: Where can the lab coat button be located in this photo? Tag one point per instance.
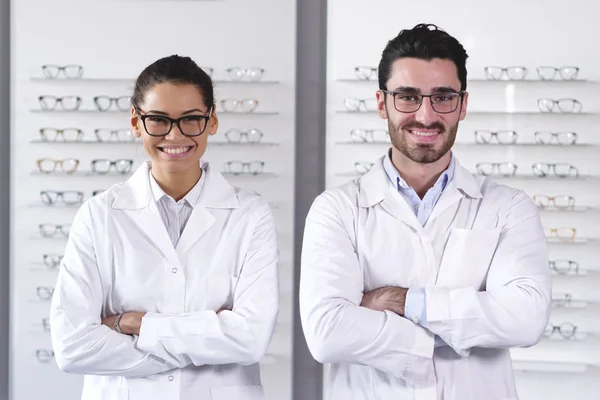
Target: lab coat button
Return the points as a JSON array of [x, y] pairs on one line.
[[171, 378], [174, 270], [415, 320]]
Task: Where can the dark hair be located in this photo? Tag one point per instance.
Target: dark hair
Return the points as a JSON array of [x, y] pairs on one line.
[[424, 41], [177, 70]]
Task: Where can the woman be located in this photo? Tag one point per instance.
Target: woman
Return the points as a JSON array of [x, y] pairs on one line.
[[168, 286]]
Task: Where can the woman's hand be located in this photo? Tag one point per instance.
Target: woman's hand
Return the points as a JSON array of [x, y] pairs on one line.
[[130, 322]]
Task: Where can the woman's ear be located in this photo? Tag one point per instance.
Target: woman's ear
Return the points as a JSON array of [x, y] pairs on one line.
[[135, 121], [213, 122]]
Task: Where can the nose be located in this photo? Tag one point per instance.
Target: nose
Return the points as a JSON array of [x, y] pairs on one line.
[[425, 114], [174, 132]]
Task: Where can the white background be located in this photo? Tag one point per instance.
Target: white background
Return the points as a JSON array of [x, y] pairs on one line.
[[503, 33], [114, 41]]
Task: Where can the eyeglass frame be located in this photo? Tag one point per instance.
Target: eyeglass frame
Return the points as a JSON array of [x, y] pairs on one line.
[[44, 356], [173, 121], [556, 328], [504, 72], [552, 167], [369, 133], [552, 266], [53, 263], [47, 291], [555, 103], [460, 93], [111, 101], [111, 164], [56, 163], [46, 67], [59, 100], [479, 135], [243, 134], [245, 166], [496, 166], [553, 135], [61, 195], [57, 228], [61, 133], [552, 201], [559, 70], [113, 133], [554, 233]]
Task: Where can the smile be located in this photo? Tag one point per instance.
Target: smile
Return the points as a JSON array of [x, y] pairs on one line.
[[175, 150]]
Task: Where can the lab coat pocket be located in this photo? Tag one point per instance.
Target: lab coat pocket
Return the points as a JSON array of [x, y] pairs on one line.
[[467, 257], [253, 392]]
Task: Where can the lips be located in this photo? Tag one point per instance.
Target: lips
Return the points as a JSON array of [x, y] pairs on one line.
[[175, 150]]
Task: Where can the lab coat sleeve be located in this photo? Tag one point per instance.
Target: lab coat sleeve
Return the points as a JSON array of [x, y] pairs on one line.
[[239, 336], [336, 327], [415, 306], [514, 308], [81, 344]]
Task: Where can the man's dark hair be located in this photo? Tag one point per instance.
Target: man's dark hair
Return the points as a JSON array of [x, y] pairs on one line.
[[424, 41]]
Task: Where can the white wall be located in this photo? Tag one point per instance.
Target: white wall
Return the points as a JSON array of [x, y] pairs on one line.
[[117, 39], [502, 33]]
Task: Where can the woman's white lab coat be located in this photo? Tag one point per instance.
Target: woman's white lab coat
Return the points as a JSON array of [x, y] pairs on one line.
[[120, 258], [481, 258]]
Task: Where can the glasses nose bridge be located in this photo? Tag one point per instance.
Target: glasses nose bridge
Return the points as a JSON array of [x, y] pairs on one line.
[[426, 111], [175, 123]]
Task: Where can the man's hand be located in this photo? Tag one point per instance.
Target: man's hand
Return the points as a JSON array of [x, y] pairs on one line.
[[385, 298], [130, 323]]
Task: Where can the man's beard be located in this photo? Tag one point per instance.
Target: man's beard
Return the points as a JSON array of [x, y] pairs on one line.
[[422, 153]]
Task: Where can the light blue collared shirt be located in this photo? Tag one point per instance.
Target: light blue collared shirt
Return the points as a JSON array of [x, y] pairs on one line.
[[415, 306]]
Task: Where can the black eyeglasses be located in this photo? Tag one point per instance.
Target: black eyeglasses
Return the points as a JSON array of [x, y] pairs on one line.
[[160, 125], [441, 102]]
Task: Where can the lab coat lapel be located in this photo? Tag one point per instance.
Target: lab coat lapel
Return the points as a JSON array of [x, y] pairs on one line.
[[376, 188], [216, 193], [136, 201]]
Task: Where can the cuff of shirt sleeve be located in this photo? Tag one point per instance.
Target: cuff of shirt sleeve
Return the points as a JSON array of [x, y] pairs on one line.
[[415, 307], [148, 333]]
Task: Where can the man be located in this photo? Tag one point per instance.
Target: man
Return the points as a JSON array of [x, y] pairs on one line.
[[419, 276]]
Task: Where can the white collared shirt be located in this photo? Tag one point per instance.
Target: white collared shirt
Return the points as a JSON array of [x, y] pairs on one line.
[[175, 214]]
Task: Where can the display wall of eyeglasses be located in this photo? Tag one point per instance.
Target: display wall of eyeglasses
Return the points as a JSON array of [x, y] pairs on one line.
[[72, 141], [532, 123]]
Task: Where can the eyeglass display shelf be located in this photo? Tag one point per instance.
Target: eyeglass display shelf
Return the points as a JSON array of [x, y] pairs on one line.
[[483, 80], [131, 80], [88, 111], [577, 337], [580, 274], [492, 145], [114, 142], [576, 209], [79, 173], [576, 241], [260, 175], [483, 113]]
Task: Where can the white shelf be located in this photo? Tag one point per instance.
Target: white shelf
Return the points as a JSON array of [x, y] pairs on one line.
[[243, 144], [576, 209], [549, 366], [79, 174], [86, 142], [576, 241], [132, 80]]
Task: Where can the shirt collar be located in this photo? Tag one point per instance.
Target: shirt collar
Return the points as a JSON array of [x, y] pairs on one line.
[[400, 184], [190, 198]]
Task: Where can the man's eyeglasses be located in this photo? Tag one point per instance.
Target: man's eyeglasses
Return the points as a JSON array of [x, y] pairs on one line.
[[68, 71], [441, 102], [160, 125]]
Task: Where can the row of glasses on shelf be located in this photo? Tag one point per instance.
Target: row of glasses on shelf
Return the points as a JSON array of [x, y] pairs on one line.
[[75, 71], [445, 103], [544, 72], [233, 135], [123, 103], [124, 166]]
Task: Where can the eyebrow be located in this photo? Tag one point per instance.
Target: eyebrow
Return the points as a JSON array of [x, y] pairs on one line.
[[193, 110], [437, 89]]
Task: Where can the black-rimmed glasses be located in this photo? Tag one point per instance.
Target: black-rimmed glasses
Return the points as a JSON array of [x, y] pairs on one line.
[[104, 103], [103, 166], [70, 71], [441, 102], [68, 197], [67, 103], [251, 136], [65, 135], [160, 125], [114, 135]]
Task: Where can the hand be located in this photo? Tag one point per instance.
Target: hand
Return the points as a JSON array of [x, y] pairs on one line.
[[130, 322], [386, 298]]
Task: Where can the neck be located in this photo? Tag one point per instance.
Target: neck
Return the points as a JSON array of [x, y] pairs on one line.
[[177, 184], [421, 177]]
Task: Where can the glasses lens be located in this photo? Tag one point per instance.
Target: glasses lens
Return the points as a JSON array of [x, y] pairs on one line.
[[193, 125], [50, 71], [541, 201], [236, 74], [69, 165], [156, 125], [72, 134], [248, 105], [255, 74], [564, 202], [516, 73], [49, 134], [73, 71], [123, 103], [561, 266], [235, 167], [124, 135], [101, 166], [567, 330], [564, 170], [48, 103], [506, 137], [485, 168], [102, 102], [103, 135], [233, 135], [543, 137], [569, 105], [72, 197], [540, 169], [46, 165], [565, 233], [566, 137], [407, 102], [229, 105], [48, 196], [546, 73], [352, 104], [123, 166], [507, 169], [48, 230], [254, 135], [70, 103], [568, 73], [545, 105], [493, 73], [483, 137], [52, 260], [256, 167]]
